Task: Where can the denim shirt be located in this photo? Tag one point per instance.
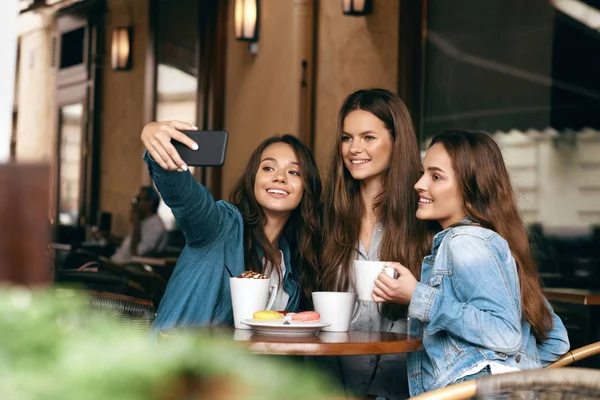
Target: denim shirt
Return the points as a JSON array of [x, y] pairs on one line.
[[198, 292], [467, 307]]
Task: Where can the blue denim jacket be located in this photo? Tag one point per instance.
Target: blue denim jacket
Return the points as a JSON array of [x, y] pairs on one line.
[[198, 292], [467, 307]]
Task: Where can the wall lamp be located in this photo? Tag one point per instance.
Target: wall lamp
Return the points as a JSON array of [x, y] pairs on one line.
[[121, 47], [246, 19], [357, 8]]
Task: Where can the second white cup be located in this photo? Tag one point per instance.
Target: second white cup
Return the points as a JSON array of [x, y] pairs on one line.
[[339, 309]]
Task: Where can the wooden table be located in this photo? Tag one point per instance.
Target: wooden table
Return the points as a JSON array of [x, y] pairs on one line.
[[574, 296], [323, 344], [580, 311]]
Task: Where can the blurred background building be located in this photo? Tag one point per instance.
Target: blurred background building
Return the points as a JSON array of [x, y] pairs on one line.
[[91, 73]]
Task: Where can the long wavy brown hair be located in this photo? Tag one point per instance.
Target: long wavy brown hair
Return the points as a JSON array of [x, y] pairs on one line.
[[490, 202], [405, 238], [303, 228]]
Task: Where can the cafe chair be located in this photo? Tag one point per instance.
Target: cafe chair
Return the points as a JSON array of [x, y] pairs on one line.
[[539, 384], [136, 313], [577, 355], [99, 273]]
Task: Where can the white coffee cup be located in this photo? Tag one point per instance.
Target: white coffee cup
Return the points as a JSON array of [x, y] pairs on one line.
[[249, 296], [365, 273], [339, 309]]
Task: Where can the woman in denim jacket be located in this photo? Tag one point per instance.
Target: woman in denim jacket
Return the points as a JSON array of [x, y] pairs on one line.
[[370, 215], [271, 225], [479, 305]]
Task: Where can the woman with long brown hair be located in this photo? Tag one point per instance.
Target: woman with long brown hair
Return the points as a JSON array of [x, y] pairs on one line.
[[370, 215], [479, 305], [271, 226]]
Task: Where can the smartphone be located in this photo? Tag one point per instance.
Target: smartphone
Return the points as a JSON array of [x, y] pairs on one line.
[[212, 146]]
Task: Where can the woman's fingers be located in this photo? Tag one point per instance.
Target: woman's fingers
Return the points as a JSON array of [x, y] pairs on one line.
[[386, 279], [399, 268], [379, 296], [383, 287], [167, 161], [173, 130], [184, 126], [183, 138], [377, 299], [174, 155], [157, 137], [156, 157], [168, 132]]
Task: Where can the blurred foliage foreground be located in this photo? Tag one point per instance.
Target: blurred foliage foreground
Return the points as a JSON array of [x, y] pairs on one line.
[[54, 348]]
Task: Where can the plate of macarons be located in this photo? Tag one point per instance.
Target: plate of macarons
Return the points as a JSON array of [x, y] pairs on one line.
[[268, 322]]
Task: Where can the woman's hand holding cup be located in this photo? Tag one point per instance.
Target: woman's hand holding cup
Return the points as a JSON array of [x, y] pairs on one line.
[[399, 290]]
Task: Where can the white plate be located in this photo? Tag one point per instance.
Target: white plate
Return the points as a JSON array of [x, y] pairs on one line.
[[277, 327]]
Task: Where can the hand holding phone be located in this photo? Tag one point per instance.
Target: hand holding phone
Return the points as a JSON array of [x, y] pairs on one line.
[[157, 136]]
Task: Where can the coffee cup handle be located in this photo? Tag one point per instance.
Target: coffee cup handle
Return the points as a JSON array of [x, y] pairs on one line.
[[392, 274], [272, 295]]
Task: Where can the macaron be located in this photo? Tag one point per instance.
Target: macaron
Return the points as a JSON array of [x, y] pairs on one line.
[[306, 316], [267, 314]]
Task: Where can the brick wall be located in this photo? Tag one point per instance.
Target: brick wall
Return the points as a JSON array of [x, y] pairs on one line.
[[557, 181]]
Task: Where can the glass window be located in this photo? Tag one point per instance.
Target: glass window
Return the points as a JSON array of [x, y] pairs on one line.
[[72, 48], [177, 68], [70, 180], [527, 72]]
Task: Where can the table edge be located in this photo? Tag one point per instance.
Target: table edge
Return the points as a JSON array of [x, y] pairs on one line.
[[332, 349], [566, 295]]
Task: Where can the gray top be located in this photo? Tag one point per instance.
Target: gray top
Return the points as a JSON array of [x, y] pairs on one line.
[[383, 375], [153, 238]]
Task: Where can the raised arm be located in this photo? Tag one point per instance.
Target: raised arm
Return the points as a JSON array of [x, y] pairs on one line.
[[483, 308], [201, 219]]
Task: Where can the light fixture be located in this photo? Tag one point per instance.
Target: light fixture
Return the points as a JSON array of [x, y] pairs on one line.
[[121, 48], [246, 19], [357, 7]]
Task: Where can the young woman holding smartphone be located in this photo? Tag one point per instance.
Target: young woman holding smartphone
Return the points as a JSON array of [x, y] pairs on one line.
[[270, 225]]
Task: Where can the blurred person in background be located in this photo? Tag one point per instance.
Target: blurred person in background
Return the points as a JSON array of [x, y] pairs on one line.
[[148, 233]]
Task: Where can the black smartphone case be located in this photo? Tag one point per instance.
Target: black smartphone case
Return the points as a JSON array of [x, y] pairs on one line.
[[212, 146]]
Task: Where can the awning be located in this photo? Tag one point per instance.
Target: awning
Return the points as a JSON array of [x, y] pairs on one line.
[[508, 64]]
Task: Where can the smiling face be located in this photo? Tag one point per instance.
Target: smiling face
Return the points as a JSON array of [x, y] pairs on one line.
[[440, 198], [278, 186], [366, 145]]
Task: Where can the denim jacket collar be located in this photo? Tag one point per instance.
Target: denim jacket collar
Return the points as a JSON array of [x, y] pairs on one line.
[[437, 239]]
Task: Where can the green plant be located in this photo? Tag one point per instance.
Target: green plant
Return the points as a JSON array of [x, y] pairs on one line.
[[53, 348]]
